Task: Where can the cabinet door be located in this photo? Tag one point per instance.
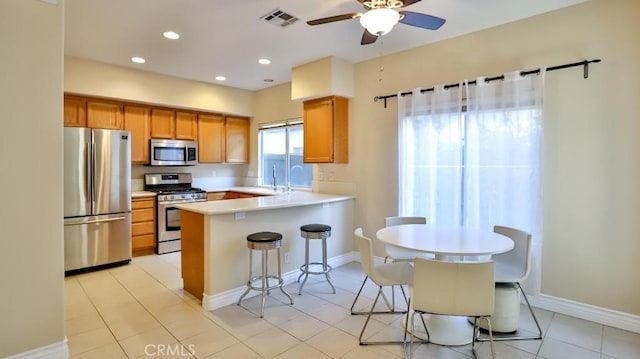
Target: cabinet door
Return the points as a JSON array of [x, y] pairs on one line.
[[162, 124], [237, 139], [210, 138], [186, 126], [326, 130], [215, 196], [104, 115], [318, 131], [137, 120], [75, 112]]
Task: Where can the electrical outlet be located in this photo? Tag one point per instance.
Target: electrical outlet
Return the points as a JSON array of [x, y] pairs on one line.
[[240, 215], [287, 258]]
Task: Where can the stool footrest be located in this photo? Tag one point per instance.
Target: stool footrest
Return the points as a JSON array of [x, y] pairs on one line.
[[268, 287], [305, 270]]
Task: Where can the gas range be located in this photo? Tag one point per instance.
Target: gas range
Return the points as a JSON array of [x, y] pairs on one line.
[[188, 195], [171, 189]]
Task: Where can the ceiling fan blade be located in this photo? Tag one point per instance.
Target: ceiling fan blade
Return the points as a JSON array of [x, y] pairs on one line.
[[409, 2], [325, 20], [368, 38], [421, 20]]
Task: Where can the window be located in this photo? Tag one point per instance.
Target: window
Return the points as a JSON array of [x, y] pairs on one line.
[[280, 152]]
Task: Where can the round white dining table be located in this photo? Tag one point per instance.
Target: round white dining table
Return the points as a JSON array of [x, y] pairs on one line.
[[445, 243]]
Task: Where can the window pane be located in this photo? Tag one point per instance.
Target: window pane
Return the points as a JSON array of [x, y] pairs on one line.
[[274, 152], [300, 174]]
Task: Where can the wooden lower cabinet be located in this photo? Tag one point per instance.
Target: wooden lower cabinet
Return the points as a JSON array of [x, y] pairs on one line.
[[143, 226]]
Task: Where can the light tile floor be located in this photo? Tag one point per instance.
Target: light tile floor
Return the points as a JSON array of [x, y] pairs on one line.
[[140, 310]]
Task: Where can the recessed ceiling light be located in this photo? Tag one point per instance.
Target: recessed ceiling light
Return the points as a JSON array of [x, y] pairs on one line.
[[138, 60], [171, 35], [221, 78], [264, 61]]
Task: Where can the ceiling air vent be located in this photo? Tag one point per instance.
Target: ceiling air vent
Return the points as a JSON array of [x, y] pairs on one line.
[[279, 18]]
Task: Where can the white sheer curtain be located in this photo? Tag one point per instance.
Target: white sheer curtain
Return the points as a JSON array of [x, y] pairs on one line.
[[430, 173], [475, 168]]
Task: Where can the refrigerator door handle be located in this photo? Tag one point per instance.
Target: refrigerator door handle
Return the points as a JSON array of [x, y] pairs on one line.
[[93, 176], [87, 169], [77, 223]]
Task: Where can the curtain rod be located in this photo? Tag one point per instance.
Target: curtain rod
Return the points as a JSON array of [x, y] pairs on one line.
[[584, 64]]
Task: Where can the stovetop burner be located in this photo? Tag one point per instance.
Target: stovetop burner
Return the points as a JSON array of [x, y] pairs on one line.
[[173, 187]]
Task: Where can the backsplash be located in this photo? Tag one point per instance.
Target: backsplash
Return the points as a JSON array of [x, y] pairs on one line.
[[205, 176]]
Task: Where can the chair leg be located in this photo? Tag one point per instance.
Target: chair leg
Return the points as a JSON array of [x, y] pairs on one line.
[[383, 298], [501, 338]]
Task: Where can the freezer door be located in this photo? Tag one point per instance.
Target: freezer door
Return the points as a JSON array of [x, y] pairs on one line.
[[77, 172], [111, 154], [96, 240]]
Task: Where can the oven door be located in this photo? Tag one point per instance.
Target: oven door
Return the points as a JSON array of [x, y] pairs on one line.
[[168, 228]]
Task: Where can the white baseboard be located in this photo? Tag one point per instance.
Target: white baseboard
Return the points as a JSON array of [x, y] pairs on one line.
[[59, 350], [212, 302], [612, 318]]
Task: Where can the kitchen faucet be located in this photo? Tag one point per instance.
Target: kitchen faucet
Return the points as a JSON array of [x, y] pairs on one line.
[[275, 188]]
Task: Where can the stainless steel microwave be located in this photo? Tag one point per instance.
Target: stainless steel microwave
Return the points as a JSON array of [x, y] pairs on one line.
[[173, 153]]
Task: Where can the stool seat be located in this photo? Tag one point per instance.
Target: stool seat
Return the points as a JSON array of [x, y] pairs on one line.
[[263, 242], [315, 231], [315, 227], [264, 237]]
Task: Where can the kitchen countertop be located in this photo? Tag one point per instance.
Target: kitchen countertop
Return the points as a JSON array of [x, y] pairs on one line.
[[139, 194], [266, 202]]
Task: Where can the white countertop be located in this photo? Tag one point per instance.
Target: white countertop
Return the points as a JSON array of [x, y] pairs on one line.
[[265, 191], [273, 201], [138, 194]]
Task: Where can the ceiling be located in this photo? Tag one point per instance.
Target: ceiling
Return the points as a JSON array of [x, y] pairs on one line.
[[228, 37]]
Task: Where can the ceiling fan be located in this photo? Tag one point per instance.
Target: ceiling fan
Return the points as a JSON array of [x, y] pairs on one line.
[[381, 16]]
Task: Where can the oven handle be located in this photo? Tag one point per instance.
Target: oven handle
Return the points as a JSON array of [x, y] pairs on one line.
[[169, 203]]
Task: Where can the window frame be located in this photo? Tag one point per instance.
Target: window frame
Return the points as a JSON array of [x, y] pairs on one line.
[[287, 125]]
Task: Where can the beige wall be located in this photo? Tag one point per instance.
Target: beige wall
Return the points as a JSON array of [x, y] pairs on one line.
[[592, 137], [31, 259]]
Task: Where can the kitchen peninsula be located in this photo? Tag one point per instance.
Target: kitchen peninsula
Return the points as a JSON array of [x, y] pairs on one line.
[[215, 256]]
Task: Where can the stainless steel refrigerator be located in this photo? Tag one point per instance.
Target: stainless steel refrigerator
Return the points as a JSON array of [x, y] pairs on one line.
[[97, 197]]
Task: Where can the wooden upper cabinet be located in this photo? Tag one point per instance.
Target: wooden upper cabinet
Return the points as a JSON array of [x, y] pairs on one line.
[[104, 115], [162, 123], [211, 138], [137, 119], [326, 130], [237, 139], [75, 112], [186, 126]]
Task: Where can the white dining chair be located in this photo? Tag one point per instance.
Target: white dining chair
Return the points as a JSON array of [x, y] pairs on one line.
[[396, 254], [387, 274], [452, 288], [400, 254], [513, 267]]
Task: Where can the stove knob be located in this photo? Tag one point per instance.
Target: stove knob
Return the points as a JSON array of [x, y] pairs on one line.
[[170, 197]]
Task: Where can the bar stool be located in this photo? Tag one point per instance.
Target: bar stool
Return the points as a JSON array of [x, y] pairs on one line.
[[264, 241], [315, 231]]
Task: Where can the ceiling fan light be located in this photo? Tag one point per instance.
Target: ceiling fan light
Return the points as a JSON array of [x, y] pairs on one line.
[[379, 21]]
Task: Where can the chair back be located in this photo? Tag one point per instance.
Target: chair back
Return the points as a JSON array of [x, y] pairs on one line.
[[513, 266], [453, 288], [365, 247], [396, 221]]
